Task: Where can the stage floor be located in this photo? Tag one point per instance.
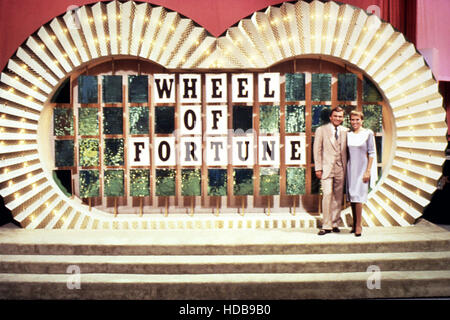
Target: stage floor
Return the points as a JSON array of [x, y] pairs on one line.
[[423, 230]]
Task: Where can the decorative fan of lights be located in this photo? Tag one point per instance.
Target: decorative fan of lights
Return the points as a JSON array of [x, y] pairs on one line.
[[291, 30]]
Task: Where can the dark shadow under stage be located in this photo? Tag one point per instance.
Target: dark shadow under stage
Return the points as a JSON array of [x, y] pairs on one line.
[[386, 262]]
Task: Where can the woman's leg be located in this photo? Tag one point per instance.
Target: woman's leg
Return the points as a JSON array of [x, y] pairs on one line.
[[352, 204], [358, 209]]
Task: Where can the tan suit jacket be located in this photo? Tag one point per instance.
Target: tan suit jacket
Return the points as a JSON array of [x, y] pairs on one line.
[[326, 149]]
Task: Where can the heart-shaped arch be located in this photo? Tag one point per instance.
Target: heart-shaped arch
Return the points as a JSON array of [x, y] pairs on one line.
[[154, 33]]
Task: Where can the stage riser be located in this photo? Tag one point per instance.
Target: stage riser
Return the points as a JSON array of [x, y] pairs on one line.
[[328, 286], [358, 265], [315, 248]]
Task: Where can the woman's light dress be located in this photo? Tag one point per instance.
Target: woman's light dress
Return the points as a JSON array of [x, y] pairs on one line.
[[360, 146]]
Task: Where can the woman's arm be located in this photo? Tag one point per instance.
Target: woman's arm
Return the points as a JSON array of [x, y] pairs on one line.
[[371, 153]]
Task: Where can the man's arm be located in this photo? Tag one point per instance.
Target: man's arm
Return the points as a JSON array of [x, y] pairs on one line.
[[318, 151]]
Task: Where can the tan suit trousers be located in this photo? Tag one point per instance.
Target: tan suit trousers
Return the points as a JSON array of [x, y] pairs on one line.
[[333, 191]]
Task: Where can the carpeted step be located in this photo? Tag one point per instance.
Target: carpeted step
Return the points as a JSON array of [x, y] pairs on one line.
[[204, 264], [393, 284]]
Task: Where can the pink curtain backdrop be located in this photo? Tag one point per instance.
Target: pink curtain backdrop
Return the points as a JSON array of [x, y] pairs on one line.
[[433, 35], [21, 18]]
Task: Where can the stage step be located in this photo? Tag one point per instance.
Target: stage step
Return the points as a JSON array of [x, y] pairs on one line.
[[349, 285], [229, 264], [215, 264]]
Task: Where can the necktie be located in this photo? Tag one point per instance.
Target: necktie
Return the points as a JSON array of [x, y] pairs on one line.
[[336, 133]]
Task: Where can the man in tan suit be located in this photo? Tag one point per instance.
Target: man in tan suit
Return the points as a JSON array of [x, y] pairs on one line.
[[330, 158]]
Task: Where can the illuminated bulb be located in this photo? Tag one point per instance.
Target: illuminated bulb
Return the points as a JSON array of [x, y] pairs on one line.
[[75, 49], [65, 30], [34, 185], [16, 195], [42, 46], [25, 66], [104, 17], [11, 90], [10, 183], [91, 20], [53, 38]]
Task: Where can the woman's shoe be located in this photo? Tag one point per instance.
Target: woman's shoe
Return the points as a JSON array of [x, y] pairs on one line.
[[357, 234], [353, 230]]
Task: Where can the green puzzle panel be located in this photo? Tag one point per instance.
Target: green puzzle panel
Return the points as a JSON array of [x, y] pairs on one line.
[[63, 122], [88, 121], [89, 152], [320, 116], [64, 156], [191, 182], [89, 183], [139, 182], [295, 181], [269, 182], [373, 117], [165, 182], [347, 86], [139, 120], [370, 92], [112, 89], [87, 89], [269, 119], [217, 182], [321, 87], [295, 86], [137, 89], [114, 184], [112, 120], [295, 119], [113, 154], [243, 182]]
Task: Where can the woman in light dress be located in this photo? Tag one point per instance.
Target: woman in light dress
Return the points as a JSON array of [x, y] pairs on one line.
[[361, 167]]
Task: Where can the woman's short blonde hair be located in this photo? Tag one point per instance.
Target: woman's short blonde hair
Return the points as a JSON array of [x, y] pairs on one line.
[[357, 114]]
